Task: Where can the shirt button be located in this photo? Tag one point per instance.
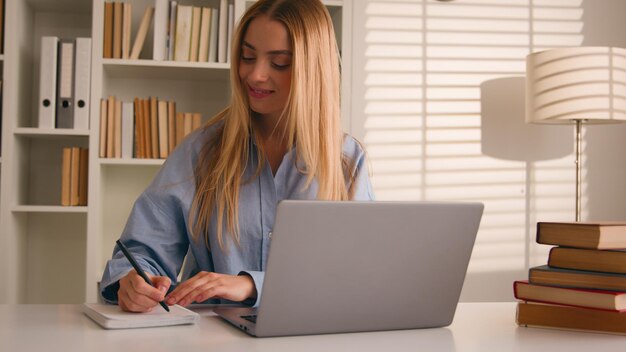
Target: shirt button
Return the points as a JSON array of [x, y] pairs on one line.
[[269, 235]]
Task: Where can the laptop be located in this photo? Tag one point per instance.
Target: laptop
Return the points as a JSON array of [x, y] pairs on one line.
[[337, 267]]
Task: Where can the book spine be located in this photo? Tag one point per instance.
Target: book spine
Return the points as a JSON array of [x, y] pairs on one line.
[[107, 50], [118, 20], [66, 169]]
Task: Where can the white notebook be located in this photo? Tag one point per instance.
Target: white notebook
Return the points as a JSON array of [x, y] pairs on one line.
[[112, 317]]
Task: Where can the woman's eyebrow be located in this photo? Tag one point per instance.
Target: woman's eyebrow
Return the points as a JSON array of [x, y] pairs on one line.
[[272, 52]]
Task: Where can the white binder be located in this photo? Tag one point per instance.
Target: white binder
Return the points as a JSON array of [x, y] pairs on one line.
[[48, 82], [128, 130], [213, 35], [65, 82], [82, 79]]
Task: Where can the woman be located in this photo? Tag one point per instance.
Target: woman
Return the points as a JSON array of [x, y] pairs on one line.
[[215, 198]]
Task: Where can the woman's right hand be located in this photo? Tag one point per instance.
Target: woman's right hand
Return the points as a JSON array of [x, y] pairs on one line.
[[136, 295]]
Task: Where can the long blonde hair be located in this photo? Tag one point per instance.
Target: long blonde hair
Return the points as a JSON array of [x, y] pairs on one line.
[[312, 111]]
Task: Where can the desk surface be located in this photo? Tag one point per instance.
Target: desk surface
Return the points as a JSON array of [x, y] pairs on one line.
[[476, 327]]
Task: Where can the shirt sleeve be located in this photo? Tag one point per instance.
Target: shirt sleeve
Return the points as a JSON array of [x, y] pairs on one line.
[[156, 232], [258, 277]]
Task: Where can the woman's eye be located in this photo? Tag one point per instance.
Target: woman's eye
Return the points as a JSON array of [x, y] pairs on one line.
[[247, 58], [281, 66]]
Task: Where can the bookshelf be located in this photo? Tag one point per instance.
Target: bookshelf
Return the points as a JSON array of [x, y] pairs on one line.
[[57, 254]]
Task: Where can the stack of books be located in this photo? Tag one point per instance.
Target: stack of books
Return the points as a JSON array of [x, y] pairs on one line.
[[145, 128], [74, 178], [583, 287]]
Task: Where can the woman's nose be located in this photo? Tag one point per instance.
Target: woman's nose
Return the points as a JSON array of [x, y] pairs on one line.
[[260, 72]]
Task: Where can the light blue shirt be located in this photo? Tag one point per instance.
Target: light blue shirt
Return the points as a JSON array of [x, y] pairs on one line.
[[158, 230]]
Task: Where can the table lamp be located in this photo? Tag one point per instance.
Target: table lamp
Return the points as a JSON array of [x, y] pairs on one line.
[[579, 85]]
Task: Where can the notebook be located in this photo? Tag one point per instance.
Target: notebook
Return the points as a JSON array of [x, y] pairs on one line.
[[112, 317]]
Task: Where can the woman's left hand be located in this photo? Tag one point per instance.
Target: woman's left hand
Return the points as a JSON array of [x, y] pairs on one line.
[[205, 285]]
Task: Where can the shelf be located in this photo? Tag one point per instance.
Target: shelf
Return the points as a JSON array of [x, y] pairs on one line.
[[33, 132], [131, 162], [172, 70], [48, 209]]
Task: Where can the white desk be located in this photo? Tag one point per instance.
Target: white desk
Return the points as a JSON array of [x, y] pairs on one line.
[[477, 327]]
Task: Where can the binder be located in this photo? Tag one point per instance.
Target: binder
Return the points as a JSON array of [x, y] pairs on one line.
[[163, 129], [65, 82], [48, 81], [231, 27], [82, 79]]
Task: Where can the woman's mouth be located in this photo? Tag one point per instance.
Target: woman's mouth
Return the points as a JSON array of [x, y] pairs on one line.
[[258, 93]]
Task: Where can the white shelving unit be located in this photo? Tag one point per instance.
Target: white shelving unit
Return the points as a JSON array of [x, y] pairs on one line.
[[56, 254]]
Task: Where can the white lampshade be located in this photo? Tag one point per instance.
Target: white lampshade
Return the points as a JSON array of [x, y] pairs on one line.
[[579, 83]]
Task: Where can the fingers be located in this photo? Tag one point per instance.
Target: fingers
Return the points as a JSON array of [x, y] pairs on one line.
[[136, 295], [207, 285], [180, 295], [140, 286], [162, 283]]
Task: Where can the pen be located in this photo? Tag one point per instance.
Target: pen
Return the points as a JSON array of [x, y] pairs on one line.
[[133, 262]]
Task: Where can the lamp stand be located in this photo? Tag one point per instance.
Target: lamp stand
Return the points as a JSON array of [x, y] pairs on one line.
[[579, 159]]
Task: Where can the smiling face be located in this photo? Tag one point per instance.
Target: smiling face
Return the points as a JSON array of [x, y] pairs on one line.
[[265, 67]]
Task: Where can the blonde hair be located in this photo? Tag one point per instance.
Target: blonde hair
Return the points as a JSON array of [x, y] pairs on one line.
[[312, 111]]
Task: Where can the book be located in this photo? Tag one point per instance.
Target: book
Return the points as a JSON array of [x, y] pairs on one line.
[[147, 130], [111, 316], [107, 49], [83, 178], [205, 26], [180, 127], [159, 51], [126, 30], [596, 299], [74, 176], [171, 125], [110, 127], [608, 261], [66, 169], [117, 130], [592, 235], [184, 15], [103, 128], [163, 129], [570, 318], [142, 32], [139, 152], [118, 20], [545, 275], [171, 42], [231, 28], [222, 32], [196, 17], [196, 121], [154, 127], [127, 130], [188, 124], [213, 35]]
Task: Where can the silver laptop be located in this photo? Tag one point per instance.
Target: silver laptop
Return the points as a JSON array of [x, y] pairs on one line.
[[337, 267]]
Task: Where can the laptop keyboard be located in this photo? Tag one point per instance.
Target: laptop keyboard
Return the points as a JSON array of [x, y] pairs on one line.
[[250, 318]]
